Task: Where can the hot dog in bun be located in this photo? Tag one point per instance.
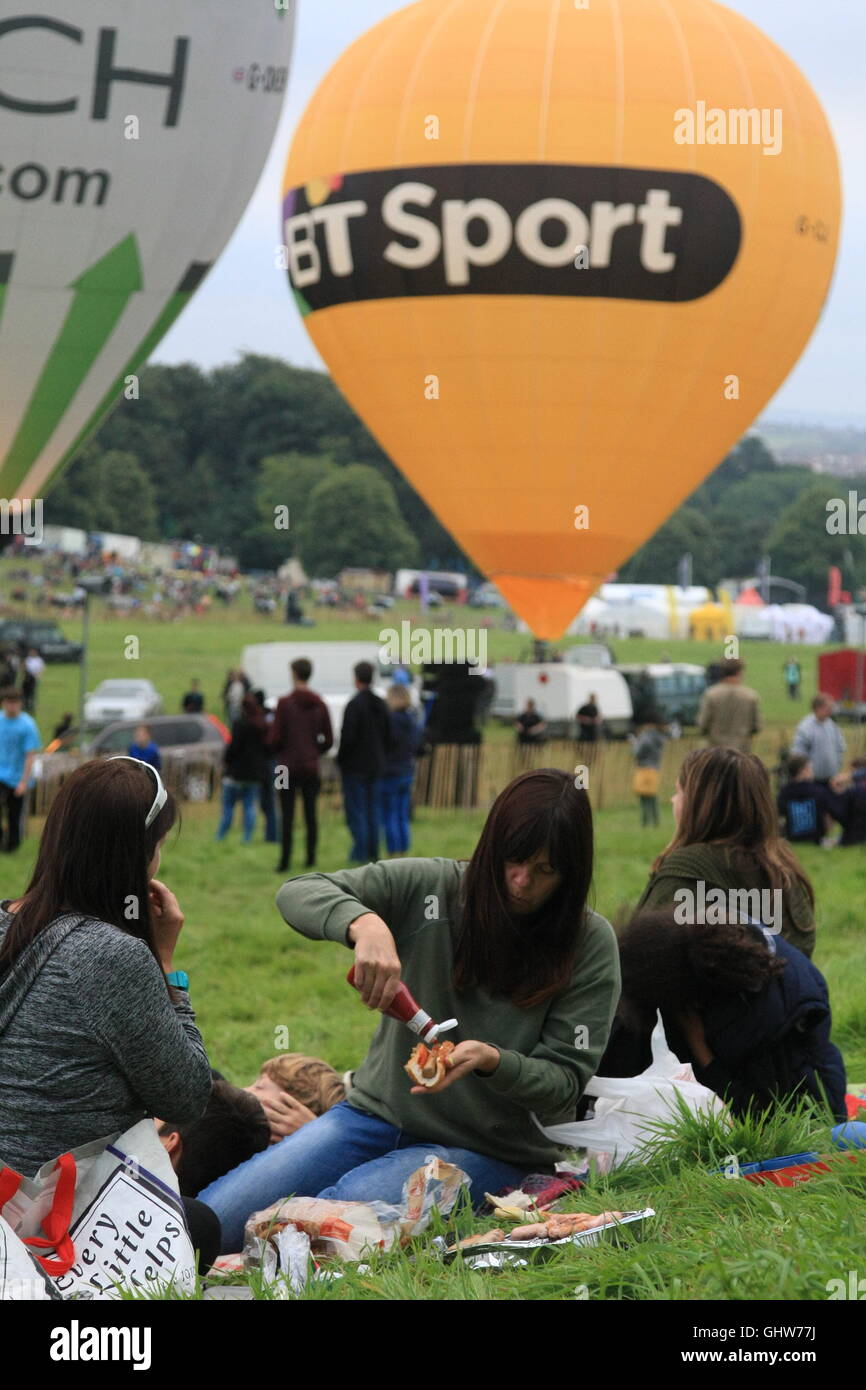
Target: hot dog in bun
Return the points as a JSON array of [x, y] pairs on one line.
[[427, 1065]]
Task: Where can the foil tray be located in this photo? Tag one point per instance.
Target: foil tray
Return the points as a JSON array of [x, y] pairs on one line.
[[515, 1254]]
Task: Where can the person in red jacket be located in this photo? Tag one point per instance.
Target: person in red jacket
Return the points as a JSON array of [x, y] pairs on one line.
[[300, 733]]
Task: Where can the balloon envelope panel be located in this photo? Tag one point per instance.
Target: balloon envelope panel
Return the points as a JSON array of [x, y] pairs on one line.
[[559, 259], [133, 136]]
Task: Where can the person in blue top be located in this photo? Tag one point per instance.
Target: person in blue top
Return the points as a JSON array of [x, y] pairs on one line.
[[395, 788], [144, 748], [19, 740]]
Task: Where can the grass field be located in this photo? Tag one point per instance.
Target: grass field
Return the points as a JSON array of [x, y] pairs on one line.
[[170, 653], [711, 1238], [251, 976]]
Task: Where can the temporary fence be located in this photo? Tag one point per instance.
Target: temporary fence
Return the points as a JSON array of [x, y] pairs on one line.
[[472, 776], [189, 776], [462, 776]]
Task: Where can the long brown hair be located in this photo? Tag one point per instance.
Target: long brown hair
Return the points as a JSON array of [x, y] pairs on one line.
[[530, 959], [252, 711], [727, 801], [94, 854]]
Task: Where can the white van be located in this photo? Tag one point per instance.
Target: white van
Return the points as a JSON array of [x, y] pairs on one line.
[[559, 689], [267, 666]]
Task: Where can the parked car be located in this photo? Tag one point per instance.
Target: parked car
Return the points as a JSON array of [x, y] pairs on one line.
[[486, 596], [671, 688], [589, 654], [46, 637], [192, 744], [122, 699], [436, 584], [170, 732]]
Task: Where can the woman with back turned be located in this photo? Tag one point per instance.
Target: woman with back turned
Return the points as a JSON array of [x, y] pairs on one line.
[[727, 838], [95, 1030]]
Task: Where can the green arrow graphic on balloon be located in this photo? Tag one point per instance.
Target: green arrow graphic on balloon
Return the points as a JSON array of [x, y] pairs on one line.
[[186, 288], [102, 293]]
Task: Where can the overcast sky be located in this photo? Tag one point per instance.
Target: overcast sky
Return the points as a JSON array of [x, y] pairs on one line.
[[245, 304]]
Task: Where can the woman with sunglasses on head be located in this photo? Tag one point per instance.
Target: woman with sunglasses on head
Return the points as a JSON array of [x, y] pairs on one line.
[[506, 945], [96, 1029]]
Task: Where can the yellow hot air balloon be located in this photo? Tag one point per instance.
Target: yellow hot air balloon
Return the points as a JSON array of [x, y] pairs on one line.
[[558, 258]]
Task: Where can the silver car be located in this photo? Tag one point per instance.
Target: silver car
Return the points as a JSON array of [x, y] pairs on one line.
[[121, 699]]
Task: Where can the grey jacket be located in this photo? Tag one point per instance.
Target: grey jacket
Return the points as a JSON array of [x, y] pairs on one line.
[[648, 748], [822, 742], [90, 1042]]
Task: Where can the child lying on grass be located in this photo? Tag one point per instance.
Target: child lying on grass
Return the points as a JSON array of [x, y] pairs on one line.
[[293, 1090]]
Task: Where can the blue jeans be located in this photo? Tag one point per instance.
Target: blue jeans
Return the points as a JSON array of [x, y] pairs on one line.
[[395, 800], [344, 1154], [361, 804], [248, 792], [268, 803]]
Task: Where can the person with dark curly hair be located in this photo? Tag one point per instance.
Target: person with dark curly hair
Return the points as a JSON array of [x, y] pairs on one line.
[[748, 1010]]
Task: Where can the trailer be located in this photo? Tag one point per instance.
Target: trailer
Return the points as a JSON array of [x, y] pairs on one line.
[[842, 675], [69, 540], [267, 666], [559, 689]]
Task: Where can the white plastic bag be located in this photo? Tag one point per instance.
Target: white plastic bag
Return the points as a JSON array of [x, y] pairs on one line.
[[21, 1278], [627, 1107], [351, 1230], [285, 1261]]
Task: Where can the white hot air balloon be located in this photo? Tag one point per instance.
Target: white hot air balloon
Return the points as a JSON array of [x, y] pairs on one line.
[[133, 133]]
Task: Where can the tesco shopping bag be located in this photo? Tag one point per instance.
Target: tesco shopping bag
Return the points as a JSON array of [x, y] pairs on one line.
[[104, 1217], [627, 1108]]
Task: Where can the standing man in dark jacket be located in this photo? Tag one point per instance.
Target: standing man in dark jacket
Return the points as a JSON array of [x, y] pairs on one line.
[[365, 742], [193, 700], [301, 732]]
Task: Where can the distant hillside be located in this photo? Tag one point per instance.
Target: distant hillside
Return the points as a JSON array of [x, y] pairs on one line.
[[832, 449]]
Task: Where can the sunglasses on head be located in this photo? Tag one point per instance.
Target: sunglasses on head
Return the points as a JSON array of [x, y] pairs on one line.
[[161, 793]]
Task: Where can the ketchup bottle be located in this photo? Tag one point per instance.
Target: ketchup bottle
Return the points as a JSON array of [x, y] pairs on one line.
[[406, 1010]]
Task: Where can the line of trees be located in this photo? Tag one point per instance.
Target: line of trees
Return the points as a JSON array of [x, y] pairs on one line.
[[749, 507], [211, 454]]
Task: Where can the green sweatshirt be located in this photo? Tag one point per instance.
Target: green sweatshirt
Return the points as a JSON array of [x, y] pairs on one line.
[[547, 1052], [714, 866]]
